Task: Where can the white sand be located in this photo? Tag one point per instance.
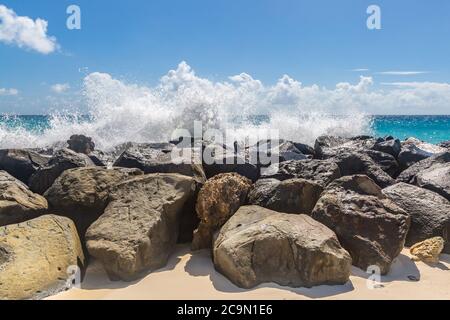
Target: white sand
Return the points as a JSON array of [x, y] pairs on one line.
[[192, 276]]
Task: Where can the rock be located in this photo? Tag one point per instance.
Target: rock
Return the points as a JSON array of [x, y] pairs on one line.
[[82, 193], [385, 161], [289, 196], [17, 203], [258, 245], [436, 178], [368, 224], [157, 158], [81, 144], [218, 200], [139, 228], [305, 149], [330, 146], [357, 163], [445, 144], [428, 250], [429, 212], [414, 150], [63, 160], [20, 163], [288, 151], [35, 257], [409, 175], [389, 146], [320, 171]]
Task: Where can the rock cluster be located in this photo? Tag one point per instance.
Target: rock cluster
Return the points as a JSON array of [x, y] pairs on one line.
[[300, 222]]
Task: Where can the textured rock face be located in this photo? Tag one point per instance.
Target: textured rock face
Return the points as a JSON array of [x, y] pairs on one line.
[[289, 196], [389, 146], [63, 160], [217, 201], [436, 178], [21, 164], [354, 163], [330, 146], [81, 144], [428, 250], [82, 193], [17, 203], [320, 171], [35, 257], [414, 150], [385, 161], [157, 158], [139, 227], [258, 245], [429, 212], [409, 175], [368, 224]]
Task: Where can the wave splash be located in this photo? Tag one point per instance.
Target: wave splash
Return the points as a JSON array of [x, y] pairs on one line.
[[118, 112]]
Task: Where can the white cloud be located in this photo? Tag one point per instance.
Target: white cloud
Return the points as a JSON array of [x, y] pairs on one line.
[[25, 32], [8, 92], [402, 73], [360, 70], [60, 87]]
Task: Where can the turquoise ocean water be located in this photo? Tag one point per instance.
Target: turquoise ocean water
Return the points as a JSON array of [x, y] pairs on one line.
[[433, 129]]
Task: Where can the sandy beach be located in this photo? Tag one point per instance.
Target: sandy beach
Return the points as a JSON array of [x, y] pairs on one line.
[[192, 276]]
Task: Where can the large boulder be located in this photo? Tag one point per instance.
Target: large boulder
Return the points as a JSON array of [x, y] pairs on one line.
[[330, 146], [409, 175], [158, 158], [82, 193], [81, 144], [258, 245], [139, 227], [414, 150], [62, 160], [429, 212], [389, 145], [289, 196], [17, 203], [368, 224], [358, 163], [436, 178], [385, 161], [217, 201], [20, 163], [38, 257], [322, 172]]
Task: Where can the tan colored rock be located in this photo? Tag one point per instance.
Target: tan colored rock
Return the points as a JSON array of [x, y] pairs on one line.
[[217, 201], [35, 257], [17, 203], [428, 250]]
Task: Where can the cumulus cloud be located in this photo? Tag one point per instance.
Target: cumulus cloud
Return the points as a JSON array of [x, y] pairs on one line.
[[60, 87], [25, 32], [8, 92]]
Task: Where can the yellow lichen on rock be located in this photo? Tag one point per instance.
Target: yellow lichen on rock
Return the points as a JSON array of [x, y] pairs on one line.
[[35, 256], [428, 250]]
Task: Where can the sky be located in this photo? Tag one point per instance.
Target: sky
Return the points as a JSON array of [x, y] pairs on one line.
[[312, 53]]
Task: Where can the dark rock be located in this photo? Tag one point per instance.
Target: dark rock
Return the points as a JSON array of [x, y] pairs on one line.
[[20, 163], [445, 144], [368, 224], [389, 145], [63, 160], [414, 150], [289, 196], [429, 212], [258, 245], [320, 171], [330, 146], [357, 163], [385, 161], [436, 178], [409, 175], [81, 144], [139, 228]]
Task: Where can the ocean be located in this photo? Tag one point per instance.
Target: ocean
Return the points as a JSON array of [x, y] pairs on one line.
[[41, 130]]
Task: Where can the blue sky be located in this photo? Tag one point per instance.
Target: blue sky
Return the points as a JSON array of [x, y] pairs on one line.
[[315, 42]]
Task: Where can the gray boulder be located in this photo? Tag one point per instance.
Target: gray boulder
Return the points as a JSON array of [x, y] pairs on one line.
[[436, 178], [289, 196], [409, 175], [429, 212], [139, 228], [414, 150], [21, 163], [368, 224], [258, 245]]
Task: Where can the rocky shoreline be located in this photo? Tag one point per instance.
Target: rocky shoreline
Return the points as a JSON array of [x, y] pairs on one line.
[[342, 202]]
